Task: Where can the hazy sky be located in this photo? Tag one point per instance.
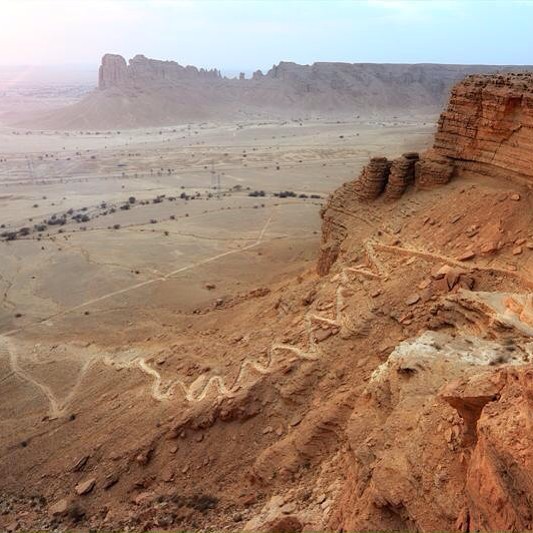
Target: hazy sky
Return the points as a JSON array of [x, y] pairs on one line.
[[252, 34]]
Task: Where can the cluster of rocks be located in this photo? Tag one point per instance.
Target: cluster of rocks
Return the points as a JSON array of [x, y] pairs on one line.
[[402, 174], [394, 177]]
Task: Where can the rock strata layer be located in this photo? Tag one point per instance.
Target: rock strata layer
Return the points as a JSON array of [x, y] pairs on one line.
[[433, 170], [374, 178], [402, 174], [488, 125]]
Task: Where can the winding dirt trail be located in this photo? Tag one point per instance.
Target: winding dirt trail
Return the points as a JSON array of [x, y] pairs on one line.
[[202, 386], [453, 262], [206, 385], [159, 392], [7, 347]]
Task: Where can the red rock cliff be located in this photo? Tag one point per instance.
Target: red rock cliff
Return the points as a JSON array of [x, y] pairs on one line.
[[488, 124], [487, 129]]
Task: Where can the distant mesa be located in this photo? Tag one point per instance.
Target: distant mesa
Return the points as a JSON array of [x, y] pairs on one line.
[[115, 72], [147, 92]]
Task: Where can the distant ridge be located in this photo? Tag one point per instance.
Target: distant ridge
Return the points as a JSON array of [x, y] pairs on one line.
[[148, 92]]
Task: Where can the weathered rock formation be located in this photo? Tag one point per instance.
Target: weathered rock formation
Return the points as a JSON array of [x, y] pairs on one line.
[[433, 170], [112, 72], [394, 177], [141, 71], [435, 401], [373, 178], [402, 174], [487, 129], [488, 125]]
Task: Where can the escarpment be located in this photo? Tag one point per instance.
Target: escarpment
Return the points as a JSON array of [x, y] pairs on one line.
[[440, 439], [141, 71], [393, 391], [144, 92], [486, 129], [488, 125]]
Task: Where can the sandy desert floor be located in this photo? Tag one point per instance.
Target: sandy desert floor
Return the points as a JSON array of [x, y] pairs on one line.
[[167, 250]]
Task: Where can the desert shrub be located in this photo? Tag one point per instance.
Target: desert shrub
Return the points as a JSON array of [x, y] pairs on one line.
[[9, 235]]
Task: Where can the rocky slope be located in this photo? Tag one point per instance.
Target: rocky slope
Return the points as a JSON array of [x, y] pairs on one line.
[[390, 391], [149, 92], [441, 438]]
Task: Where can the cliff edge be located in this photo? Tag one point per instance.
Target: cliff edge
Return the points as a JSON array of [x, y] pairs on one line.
[[488, 125]]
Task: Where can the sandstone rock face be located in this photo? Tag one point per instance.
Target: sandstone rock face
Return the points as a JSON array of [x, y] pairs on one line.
[[498, 481], [488, 124], [374, 178], [409, 472], [433, 170], [333, 229], [402, 174]]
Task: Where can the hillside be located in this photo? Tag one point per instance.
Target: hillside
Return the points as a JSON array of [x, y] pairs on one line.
[[389, 389], [147, 92]]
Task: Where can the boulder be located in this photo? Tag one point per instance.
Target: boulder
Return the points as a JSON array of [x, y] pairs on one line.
[[85, 487]]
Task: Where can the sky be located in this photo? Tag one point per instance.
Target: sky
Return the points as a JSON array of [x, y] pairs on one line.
[[251, 34]]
